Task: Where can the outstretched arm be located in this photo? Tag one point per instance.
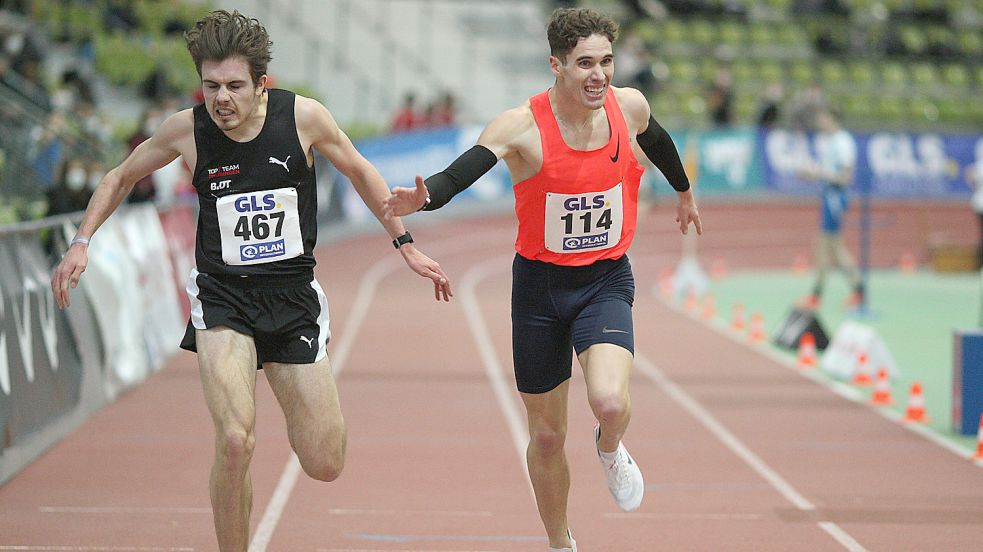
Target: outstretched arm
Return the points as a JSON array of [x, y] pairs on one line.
[[333, 144], [495, 142], [657, 145], [149, 156]]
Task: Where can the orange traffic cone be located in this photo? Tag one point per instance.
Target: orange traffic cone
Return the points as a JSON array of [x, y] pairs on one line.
[[979, 442], [737, 317], [882, 389], [709, 307], [907, 263], [756, 334], [807, 351], [800, 265], [692, 301], [666, 283], [718, 269], [916, 404], [862, 376]]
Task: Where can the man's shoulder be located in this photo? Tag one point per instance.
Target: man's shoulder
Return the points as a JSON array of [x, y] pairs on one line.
[[633, 103], [178, 125], [515, 121]]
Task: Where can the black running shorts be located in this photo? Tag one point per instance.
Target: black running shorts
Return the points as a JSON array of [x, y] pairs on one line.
[[558, 309], [286, 317]]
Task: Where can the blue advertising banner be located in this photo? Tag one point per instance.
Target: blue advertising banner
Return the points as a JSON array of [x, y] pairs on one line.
[[725, 162], [729, 162], [401, 157], [894, 164]]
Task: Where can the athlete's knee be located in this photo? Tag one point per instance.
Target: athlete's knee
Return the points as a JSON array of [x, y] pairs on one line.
[[326, 463], [611, 406], [326, 468], [548, 439], [235, 447]]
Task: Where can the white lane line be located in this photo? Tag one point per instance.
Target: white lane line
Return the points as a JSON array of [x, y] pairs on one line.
[[339, 357], [704, 417], [842, 389], [121, 510], [493, 367]]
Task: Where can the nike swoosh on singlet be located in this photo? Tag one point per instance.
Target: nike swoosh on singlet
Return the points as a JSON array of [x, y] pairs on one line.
[[605, 329], [617, 152]]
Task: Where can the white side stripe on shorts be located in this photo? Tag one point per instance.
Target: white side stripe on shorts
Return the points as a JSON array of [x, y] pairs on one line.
[[197, 314], [323, 322]]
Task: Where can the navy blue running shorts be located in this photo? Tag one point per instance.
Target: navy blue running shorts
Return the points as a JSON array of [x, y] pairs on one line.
[[558, 309], [286, 317]]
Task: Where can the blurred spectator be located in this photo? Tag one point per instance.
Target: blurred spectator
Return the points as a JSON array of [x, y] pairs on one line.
[[836, 152], [144, 189], [771, 104], [721, 98], [442, 112], [71, 193], [635, 65], [94, 125], [48, 145], [406, 117], [806, 104], [72, 90]]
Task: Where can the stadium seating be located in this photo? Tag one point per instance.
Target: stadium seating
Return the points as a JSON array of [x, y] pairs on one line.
[[886, 63]]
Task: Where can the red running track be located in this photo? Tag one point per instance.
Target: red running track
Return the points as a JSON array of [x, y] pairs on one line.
[[739, 452]]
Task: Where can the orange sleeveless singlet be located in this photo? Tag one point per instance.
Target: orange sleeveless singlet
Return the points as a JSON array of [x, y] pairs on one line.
[[582, 206]]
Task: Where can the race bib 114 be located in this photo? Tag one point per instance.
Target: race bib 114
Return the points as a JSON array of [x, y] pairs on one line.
[[259, 227], [583, 222]]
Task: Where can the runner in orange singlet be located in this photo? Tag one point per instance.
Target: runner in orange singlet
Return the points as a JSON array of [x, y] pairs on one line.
[[571, 154]]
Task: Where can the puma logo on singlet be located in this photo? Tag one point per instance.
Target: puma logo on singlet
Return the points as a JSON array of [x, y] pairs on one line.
[[617, 152], [308, 340], [278, 162]]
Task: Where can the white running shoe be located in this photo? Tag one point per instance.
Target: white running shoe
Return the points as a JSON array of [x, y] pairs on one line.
[[624, 478], [571, 548]]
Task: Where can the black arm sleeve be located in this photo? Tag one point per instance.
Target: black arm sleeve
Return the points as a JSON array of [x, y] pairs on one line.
[[660, 150], [456, 178]]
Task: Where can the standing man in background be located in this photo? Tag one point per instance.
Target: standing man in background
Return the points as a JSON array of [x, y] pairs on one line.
[[255, 302], [837, 153], [571, 154]]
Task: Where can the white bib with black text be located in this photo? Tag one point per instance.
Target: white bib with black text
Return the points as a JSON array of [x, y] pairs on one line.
[[259, 227], [583, 222]]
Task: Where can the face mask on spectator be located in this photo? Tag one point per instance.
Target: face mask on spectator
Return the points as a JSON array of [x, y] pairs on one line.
[[75, 179]]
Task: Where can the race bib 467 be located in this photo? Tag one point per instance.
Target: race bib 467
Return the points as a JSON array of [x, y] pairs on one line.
[[259, 227], [583, 222]]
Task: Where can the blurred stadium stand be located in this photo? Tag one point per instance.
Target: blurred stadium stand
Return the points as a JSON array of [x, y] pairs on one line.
[[908, 65]]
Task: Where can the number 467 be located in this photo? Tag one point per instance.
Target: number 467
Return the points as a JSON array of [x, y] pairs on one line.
[[257, 226]]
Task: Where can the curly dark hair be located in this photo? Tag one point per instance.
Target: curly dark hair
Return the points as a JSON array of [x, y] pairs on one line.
[[221, 35], [568, 25]]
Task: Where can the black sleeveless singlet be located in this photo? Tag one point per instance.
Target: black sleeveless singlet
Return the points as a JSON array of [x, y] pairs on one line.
[[258, 202]]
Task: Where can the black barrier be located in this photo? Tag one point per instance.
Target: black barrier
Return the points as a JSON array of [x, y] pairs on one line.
[[40, 370], [796, 323]]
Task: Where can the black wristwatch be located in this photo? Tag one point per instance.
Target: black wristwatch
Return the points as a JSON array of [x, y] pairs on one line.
[[402, 240]]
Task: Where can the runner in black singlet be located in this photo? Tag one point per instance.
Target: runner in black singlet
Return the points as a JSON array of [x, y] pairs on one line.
[[254, 297]]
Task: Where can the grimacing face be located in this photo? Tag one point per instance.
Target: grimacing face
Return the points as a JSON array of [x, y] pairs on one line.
[[230, 96], [587, 72]]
